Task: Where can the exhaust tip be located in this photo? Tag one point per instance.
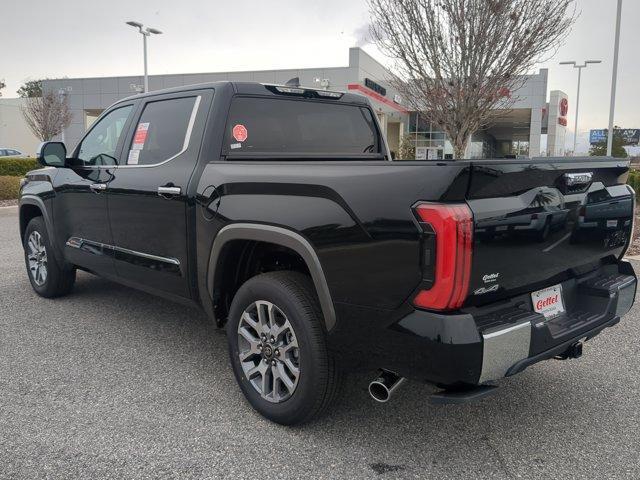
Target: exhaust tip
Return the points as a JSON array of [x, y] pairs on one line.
[[382, 387], [379, 392]]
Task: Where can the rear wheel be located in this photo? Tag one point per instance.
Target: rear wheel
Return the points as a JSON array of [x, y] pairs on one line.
[[278, 349], [47, 278]]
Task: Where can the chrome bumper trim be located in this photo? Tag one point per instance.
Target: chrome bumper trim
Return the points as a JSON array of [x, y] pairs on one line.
[[626, 297], [503, 348]]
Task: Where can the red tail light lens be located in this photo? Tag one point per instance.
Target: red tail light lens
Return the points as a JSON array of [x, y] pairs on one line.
[[453, 229]]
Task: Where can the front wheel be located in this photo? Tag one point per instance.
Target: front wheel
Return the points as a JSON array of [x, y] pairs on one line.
[[47, 278], [278, 349]]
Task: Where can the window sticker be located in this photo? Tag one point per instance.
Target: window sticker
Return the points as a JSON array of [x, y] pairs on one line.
[[134, 156], [240, 133], [140, 136], [235, 146]]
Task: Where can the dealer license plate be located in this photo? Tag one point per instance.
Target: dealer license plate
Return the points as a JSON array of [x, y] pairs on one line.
[[548, 301]]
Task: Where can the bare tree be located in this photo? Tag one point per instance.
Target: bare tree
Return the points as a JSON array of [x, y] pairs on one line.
[[47, 115], [459, 61]]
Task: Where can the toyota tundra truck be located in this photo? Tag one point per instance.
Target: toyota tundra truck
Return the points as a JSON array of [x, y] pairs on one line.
[[279, 212]]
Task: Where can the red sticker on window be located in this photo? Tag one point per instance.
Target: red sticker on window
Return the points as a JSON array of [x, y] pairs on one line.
[[140, 136], [240, 133]]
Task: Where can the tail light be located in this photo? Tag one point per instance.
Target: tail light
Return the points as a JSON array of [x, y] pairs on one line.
[[449, 231]]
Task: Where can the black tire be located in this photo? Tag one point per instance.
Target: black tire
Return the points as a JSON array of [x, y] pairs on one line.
[[59, 281], [319, 377]]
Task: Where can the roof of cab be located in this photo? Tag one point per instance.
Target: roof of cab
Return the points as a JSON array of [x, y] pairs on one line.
[[247, 88]]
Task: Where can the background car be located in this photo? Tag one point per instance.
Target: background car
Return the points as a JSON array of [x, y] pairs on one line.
[[10, 152]]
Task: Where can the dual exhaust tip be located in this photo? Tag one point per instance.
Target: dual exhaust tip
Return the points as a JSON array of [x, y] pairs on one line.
[[384, 386]]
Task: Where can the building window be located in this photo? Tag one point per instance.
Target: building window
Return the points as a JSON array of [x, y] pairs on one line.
[[430, 141]]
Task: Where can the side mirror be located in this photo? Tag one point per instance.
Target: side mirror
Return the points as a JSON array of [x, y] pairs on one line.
[[52, 154]]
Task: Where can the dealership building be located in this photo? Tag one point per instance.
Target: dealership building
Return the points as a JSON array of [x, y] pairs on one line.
[[516, 133]]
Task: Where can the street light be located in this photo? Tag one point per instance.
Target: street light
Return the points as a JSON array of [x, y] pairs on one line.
[[579, 67], [61, 94], [614, 80], [146, 32]]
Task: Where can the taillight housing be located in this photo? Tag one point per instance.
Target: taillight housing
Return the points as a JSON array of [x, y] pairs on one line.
[[448, 228]]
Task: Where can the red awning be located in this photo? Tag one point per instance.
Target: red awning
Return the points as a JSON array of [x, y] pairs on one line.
[[377, 97]]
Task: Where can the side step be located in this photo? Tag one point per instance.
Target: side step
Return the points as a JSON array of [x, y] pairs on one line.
[[460, 397]]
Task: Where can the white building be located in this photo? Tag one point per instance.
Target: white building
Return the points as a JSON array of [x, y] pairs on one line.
[[14, 132], [517, 133]]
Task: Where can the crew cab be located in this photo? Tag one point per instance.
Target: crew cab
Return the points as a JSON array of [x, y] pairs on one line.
[[279, 211]]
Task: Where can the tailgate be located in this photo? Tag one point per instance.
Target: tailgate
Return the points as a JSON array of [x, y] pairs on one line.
[[538, 223]]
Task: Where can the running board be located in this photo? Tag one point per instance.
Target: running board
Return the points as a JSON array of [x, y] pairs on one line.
[[460, 397]]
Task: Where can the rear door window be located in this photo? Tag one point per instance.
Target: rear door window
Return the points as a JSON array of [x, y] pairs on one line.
[[162, 132], [299, 127]]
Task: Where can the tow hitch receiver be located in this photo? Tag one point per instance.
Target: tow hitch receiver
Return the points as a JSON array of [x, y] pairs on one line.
[[574, 351]]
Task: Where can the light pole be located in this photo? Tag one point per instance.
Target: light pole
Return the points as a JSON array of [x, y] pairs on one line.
[[579, 67], [614, 81], [146, 32], [61, 94]]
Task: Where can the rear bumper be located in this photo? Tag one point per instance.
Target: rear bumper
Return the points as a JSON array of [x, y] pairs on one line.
[[488, 343], [601, 302]]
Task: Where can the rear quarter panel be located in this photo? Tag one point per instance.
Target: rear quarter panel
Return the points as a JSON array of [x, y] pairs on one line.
[[357, 216]]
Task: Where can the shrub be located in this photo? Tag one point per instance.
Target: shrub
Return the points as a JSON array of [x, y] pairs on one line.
[[9, 187], [17, 167], [634, 181], [407, 148]]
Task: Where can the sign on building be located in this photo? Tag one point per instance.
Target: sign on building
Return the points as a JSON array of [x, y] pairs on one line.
[[376, 87]]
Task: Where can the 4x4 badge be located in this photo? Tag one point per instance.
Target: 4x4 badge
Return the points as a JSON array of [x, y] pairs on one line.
[[483, 290]]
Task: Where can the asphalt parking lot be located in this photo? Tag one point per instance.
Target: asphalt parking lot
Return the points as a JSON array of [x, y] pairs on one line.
[[114, 383]]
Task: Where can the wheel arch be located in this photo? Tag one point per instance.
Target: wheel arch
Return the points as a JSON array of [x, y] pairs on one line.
[[280, 237], [30, 207]]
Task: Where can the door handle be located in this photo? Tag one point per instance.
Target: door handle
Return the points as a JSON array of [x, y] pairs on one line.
[[169, 191], [98, 187]]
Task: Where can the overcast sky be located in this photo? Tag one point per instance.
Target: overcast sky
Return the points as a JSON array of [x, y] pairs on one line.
[[81, 38]]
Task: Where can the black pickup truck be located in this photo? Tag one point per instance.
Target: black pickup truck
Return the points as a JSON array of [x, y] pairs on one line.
[[278, 210]]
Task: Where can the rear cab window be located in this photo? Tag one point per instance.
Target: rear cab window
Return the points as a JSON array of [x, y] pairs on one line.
[[264, 126]]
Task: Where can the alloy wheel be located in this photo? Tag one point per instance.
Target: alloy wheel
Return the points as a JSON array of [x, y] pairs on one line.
[[268, 351], [37, 258]]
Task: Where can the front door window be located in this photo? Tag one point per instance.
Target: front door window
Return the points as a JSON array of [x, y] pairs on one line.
[[99, 147]]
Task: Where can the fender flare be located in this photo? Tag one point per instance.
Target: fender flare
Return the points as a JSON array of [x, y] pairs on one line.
[[279, 236], [37, 201], [28, 199]]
